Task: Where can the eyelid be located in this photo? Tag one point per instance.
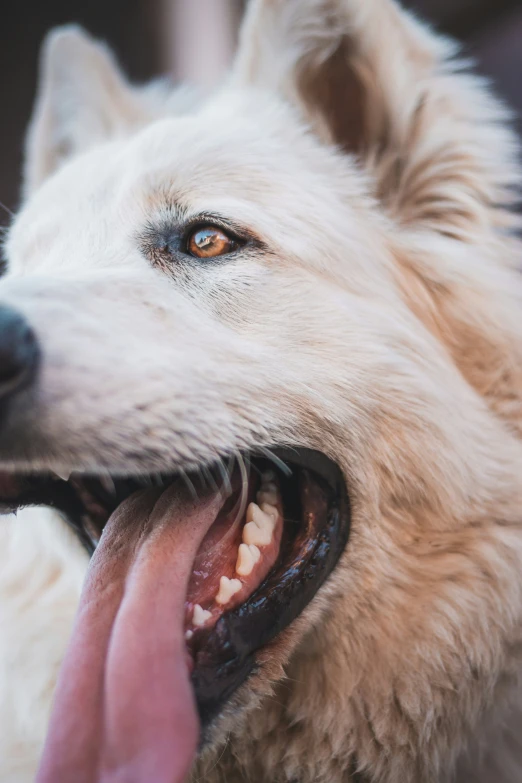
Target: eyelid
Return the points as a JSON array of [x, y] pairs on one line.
[[164, 239], [212, 221]]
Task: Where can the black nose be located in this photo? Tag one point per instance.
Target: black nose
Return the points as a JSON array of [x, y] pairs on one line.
[[18, 352]]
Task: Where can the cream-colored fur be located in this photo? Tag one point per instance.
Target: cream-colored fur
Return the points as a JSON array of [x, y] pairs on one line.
[[379, 321]]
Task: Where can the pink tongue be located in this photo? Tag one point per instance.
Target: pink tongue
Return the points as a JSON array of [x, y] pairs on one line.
[[124, 709]]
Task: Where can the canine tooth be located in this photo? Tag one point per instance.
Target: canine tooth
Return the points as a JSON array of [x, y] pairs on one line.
[[189, 635], [200, 616], [259, 528], [227, 588]]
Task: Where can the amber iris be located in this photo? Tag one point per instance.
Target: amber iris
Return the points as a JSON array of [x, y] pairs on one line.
[[209, 242]]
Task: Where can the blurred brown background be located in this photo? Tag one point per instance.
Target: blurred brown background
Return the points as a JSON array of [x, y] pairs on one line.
[[194, 40]]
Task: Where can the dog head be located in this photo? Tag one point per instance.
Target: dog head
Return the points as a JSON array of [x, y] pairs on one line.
[[297, 291]]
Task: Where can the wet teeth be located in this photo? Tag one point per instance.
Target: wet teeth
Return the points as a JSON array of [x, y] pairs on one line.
[[227, 588], [189, 635], [260, 526], [200, 616], [247, 557]]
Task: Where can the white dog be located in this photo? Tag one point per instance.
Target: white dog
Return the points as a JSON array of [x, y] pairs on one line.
[[263, 353]]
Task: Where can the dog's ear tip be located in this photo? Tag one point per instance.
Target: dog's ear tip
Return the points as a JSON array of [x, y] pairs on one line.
[[66, 44], [63, 39], [78, 86]]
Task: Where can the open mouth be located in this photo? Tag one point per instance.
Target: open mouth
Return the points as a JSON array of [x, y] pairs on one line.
[[265, 534]]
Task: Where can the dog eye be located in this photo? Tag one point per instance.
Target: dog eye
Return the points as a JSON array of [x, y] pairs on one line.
[[209, 242]]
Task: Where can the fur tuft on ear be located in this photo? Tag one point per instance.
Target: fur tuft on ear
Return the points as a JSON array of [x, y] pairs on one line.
[[370, 78], [83, 98]]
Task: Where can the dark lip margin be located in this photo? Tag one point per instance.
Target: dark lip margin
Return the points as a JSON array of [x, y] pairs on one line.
[[226, 656]]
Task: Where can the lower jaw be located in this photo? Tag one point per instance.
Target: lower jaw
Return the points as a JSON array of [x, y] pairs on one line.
[[316, 513]]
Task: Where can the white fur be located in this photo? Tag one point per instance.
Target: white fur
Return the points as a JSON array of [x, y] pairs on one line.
[[380, 324]]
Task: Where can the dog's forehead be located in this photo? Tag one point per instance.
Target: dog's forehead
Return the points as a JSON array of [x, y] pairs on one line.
[[237, 147], [244, 157], [233, 143]]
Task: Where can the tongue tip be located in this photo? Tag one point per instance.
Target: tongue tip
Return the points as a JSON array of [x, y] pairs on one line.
[[152, 737]]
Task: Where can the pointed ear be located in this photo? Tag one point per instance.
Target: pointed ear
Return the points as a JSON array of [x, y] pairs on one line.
[[372, 79], [82, 100], [332, 58]]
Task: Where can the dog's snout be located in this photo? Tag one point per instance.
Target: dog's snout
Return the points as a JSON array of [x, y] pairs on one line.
[[18, 352]]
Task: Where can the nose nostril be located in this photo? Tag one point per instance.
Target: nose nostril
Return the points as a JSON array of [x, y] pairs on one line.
[[18, 352]]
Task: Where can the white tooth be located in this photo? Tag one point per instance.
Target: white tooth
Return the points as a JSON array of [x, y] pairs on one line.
[[245, 561], [256, 554], [255, 514], [254, 535], [271, 510], [200, 616], [259, 527], [63, 474], [189, 635], [227, 588]]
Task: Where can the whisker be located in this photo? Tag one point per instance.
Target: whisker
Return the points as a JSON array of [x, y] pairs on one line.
[[190, 486], [225, 476], [6, 209], [244, 485], [107, 483], [230, 464], [248, 463], [283, 467], [209, 478]]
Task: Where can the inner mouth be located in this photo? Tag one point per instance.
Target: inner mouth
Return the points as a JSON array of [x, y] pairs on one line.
[[283, 523]]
